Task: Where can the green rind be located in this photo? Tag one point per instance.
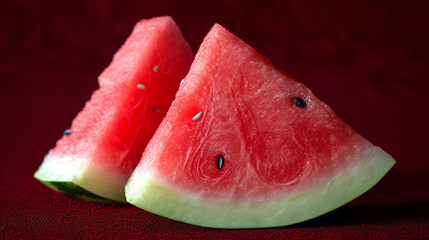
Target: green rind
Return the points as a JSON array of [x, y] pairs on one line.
[[69, 176], [73, 190], [146, 193]]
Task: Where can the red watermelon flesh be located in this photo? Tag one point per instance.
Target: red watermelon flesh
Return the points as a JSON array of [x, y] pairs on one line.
[[109, 135], [281, 163]]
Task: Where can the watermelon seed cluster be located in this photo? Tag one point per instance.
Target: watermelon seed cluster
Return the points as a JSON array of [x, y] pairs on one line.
[[219, 163], [67, 132], [299, 102]]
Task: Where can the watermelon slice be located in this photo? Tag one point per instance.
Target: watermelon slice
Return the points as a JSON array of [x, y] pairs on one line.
[[246, 146], [96, 156]]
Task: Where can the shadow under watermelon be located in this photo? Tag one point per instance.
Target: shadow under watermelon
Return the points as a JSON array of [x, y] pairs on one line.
[[372, 214]]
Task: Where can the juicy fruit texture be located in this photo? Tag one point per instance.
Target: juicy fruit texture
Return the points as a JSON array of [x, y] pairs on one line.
[[285, 156], [96, 157]]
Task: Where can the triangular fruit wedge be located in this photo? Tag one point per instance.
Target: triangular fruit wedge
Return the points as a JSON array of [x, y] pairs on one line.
[[246, 146], [96, 156]]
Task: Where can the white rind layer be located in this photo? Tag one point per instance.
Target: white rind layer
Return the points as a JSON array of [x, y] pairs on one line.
[[61, 170], [145, 192], [75, 170]]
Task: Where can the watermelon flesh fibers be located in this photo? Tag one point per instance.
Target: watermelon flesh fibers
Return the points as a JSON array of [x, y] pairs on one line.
[[246, 146], [94, 160]]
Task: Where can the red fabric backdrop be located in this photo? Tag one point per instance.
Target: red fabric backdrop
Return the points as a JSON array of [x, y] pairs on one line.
[[367, 59]]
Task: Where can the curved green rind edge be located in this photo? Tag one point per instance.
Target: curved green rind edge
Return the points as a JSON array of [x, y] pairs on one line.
[[61, 177], [153, 197], [71, 189]]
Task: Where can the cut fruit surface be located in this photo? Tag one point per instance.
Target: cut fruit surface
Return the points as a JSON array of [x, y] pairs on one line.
[[105, 142], [246, 146]]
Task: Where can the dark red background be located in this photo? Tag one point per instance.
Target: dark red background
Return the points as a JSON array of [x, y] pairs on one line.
[[367, 59]]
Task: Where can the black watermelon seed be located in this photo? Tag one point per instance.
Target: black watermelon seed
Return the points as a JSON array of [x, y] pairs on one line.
[[219, 162], [67, 132], [299, 102]]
